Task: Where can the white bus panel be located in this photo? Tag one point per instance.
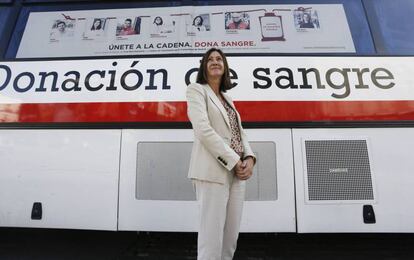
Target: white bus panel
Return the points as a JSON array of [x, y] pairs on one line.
[[155, 194], [72, 173], [354, 180]]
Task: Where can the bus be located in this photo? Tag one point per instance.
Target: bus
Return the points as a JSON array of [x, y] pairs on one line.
[[94, 131]]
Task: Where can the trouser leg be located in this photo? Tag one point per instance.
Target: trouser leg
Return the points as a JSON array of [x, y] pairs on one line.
[[233, 218], [212, 199]]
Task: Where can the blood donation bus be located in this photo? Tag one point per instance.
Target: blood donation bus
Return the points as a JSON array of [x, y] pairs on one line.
[[94, 131]]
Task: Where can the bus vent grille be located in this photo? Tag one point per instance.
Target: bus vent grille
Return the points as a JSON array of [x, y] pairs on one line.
[[338, 170]]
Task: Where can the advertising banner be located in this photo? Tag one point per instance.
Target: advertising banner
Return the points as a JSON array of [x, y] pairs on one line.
[[153, 89], [316, 28]]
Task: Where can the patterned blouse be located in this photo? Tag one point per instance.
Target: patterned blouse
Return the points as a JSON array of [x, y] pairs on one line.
[[236, 143]]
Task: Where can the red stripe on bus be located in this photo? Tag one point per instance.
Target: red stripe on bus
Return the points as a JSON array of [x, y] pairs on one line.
[[251, 111]]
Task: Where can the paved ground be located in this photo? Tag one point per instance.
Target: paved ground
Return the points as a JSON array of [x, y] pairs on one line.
[[48, 244]]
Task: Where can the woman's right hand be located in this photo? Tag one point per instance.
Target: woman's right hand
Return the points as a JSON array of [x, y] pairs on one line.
[[244, 169]]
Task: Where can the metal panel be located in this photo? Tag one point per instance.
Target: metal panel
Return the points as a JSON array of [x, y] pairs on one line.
[[262, 186], [153, 160], [73, 173], [151, 215], [391, 167], [162, 169]]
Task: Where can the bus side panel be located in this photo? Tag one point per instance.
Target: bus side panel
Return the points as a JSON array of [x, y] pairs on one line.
[[72, 173], [155, 194], [354, 180]]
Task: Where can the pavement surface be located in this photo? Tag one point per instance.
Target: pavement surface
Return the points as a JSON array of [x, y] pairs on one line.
[[45, 244]]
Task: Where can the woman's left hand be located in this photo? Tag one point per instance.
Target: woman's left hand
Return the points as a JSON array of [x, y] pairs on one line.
[[246, 170]]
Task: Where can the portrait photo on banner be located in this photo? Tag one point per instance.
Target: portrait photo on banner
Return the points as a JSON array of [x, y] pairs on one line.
[[198, 24], [236, 21], [162, 26], [128, 26], [306, 19], [95, 28], [62, 29]]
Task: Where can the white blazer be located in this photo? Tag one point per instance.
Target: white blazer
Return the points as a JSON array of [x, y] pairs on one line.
[[211, 157]]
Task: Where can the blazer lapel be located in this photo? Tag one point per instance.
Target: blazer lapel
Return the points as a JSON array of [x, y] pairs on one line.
[[218, 103], [229, 101]]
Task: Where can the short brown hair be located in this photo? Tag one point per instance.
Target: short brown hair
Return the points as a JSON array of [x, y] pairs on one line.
[[225, 83]]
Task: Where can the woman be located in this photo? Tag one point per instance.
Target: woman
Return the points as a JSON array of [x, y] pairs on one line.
[[97, 25], [221, 158], [158, 26], [198, 24], [158, 21]]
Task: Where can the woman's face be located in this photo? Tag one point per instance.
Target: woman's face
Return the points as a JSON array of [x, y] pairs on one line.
[[215, 65], [197, 21], [97, 23], [158, 20]]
